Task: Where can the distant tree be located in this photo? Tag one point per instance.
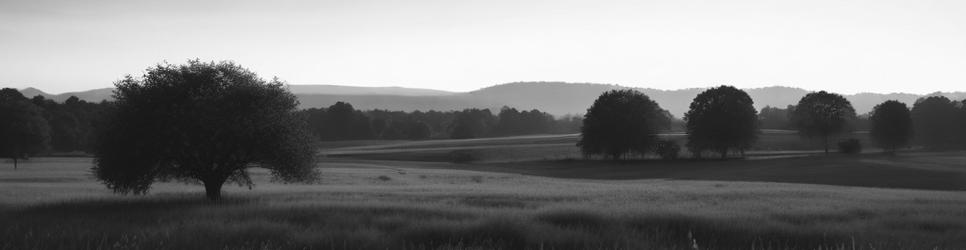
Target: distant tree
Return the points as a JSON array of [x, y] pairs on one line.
[[418, 131], [822, 114], [721, 119], [775, 118], [891, 125], [23, 129], [206, 122], [621, 122], [471, 123], [934, 122]]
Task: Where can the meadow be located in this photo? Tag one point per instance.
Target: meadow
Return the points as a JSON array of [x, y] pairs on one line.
[[407, 195]]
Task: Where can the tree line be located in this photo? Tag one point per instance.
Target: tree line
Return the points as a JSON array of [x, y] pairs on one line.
[[723, 121], [341, 121]]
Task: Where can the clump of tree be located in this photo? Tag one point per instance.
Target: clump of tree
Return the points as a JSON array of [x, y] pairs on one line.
[[23, 129], [513, 122], [775, 117], [621, 122], [938, 122], [472, 123], [72, 123], [201, 122], [342, 122], [721, 119], [822, 115], [891, 125]]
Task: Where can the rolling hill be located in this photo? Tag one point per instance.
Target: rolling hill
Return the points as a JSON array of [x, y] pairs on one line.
[[558, 98]]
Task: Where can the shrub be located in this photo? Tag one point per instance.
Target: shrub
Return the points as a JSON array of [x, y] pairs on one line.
[[383, 178], [668, 149], [850, 146]]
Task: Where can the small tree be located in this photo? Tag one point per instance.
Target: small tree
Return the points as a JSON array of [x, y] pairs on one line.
[[621, 122], [720, 119], [23, 129], [822, 114], [206, 122], [891, 125]]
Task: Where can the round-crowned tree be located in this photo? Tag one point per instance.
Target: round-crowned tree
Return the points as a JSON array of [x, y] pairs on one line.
[[621, 122], [934, 121], [23, 129], [822, 114], [201, 122], [891, 125], [721, 119]]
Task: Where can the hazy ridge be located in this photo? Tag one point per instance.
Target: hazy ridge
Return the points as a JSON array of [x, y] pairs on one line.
[[557, 98]]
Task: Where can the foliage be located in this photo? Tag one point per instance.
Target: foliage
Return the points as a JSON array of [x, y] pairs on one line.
[[775, 118], [891, 125], [935, 122], [822, 114], [472, 123], [621, 122], [23, 129], [850, 146], [668, 149], [513, 122], [722, 119], [206, 122]]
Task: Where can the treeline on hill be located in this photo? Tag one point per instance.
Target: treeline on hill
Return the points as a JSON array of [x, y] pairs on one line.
[[342, 122], [722, 121]]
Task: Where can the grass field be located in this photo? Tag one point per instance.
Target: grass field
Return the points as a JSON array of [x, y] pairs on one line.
[[912, 201]]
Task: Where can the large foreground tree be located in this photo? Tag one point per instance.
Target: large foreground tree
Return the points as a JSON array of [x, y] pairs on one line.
[[621, 122], [822, 114], [201, 122], [891, 125], [23, 129], [721, 119]]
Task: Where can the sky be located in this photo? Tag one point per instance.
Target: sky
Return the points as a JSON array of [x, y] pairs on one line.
[[845, 46]]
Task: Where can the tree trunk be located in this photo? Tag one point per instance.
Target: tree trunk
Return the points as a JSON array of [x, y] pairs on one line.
[[826, 144], [213, 188], [15, 163]]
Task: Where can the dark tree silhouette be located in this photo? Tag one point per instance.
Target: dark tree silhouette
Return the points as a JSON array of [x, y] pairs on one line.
[[206, 122], [891, 125], [822, 114], [23, 129], [721, 119], [471, 123], [621, 122], [934, 121]]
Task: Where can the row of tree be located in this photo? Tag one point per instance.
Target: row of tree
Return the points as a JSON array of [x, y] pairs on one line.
[[723, 120], [30, 126], [343, 122]]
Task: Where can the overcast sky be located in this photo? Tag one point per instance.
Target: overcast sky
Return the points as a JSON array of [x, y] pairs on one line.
[[915, 46]]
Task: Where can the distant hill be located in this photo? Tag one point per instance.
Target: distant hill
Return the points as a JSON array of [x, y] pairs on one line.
[[94, 95], [557, 98], [351, 90]]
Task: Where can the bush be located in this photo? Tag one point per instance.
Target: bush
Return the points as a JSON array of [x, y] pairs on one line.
[[668, 150], [850, 146]]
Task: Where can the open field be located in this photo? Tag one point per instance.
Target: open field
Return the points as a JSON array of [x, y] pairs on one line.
[[549, 147], [379, 204]]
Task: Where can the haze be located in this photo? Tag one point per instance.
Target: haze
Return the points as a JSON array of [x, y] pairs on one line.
[[844, 46]]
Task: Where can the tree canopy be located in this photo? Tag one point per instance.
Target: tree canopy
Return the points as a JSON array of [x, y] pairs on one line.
[[206, 122], [891, 125], [822, 114], [721, 119], [23, 129], [936, 121], [621, 122]]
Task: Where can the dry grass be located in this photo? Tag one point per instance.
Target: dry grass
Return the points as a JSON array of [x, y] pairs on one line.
[[61, 208]]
